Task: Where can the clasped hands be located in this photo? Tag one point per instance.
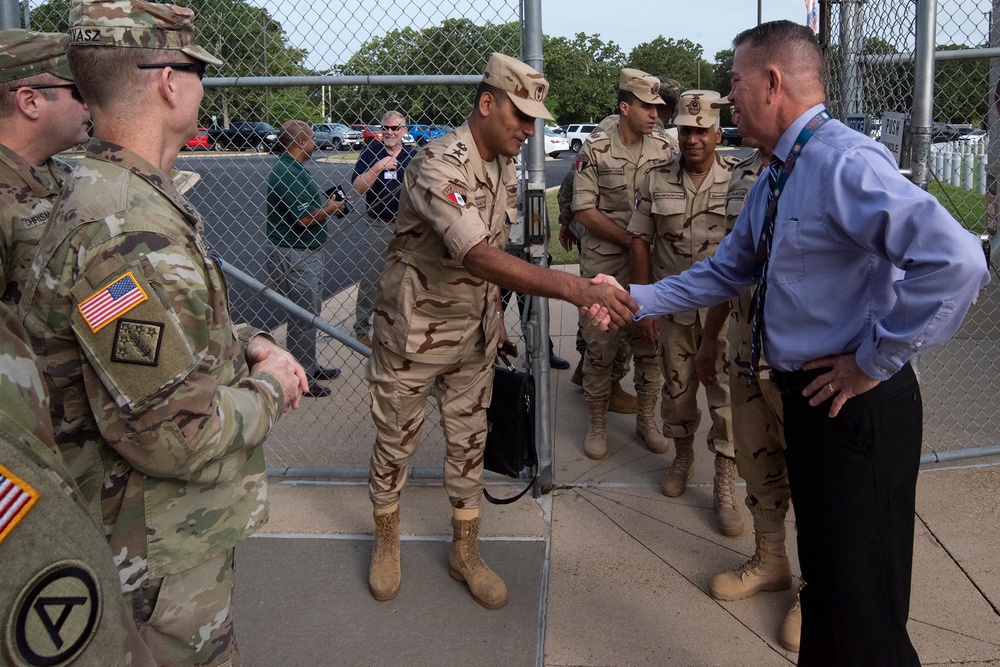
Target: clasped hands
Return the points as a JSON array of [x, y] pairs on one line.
[[611, 306]]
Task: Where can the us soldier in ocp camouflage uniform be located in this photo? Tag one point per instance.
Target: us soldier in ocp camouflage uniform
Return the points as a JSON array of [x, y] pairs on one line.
[[41, 114], [56, 562], [609, 168], [758, 436], [438, 312], [679, 220], [129, 315]]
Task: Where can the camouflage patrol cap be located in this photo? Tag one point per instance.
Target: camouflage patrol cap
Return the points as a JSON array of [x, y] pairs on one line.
[[644, 86], [24, 53], [135, 24], [670, 90], [700, 108], [525, 86]]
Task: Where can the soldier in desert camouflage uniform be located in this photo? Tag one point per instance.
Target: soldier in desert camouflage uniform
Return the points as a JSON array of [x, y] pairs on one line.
[[127, 310], [41, 114], [679, 220], [758, 437], [437, 315], [609, 168], [56, 562]]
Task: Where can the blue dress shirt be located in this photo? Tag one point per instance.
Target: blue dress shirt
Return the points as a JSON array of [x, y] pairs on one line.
[[862, 261]]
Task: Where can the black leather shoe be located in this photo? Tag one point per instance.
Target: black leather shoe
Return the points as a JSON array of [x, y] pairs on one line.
[[557, 362], [317, 391], [327, 374]]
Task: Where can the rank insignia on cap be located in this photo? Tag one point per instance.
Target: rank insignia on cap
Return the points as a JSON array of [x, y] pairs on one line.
[[16, 500], [110, 302], [456, 198]]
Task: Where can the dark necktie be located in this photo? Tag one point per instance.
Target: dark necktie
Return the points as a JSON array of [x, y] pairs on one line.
[[757, 326]]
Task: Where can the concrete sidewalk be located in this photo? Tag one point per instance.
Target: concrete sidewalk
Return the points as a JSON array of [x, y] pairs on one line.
[[603, 571]]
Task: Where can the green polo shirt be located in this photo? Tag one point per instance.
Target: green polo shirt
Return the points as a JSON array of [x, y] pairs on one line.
[[292, 194]]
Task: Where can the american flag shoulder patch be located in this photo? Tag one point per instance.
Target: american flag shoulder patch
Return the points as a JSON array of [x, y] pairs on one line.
[[16, 499], [120, 296]]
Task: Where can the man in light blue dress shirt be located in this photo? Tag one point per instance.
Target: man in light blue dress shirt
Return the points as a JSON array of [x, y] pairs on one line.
[[866, 270]]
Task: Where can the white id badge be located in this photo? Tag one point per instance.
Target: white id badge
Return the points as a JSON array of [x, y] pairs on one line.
[[389, 175]]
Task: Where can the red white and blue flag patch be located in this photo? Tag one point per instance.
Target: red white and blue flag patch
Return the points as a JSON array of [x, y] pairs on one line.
[[581, 163], [116, 299], [16, 498], [456, 199]]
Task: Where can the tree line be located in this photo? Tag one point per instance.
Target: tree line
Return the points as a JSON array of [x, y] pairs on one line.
[[583, 70]]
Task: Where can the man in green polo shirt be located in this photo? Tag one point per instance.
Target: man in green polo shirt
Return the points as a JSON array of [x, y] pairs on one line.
[[296, 217]]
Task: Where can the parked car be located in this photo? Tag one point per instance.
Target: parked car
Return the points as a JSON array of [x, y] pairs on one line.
[[368, 132], [200, 141], [408, 140], [240, 135], [974, 137], [731, 137], [423, 134], [555, 143], [336, 136], [576, 134]]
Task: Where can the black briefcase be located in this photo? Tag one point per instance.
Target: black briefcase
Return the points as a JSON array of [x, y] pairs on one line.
[[510, 421]]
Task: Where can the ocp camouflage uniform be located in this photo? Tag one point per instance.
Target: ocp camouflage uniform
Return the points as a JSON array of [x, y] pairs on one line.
[[155, 397], [435, 325], [757, 410], [26, 197], [56, 562], [685, 224], [607, 179]]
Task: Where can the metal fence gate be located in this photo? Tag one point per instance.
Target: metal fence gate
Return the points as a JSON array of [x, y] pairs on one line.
[[350, 62]]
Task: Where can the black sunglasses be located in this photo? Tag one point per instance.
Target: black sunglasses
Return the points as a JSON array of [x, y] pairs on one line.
[[197, 68], [73, 90], [392, 128]]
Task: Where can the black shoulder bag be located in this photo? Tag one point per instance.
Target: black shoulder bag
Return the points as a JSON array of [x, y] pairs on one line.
[[510, 423]]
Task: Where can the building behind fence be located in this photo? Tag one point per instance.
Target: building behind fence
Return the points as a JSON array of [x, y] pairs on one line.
[[347, 63]]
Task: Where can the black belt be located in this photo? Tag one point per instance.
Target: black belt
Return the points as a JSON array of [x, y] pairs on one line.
[[793, 382]]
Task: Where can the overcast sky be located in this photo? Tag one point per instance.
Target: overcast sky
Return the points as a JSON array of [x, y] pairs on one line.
[[628, 23]]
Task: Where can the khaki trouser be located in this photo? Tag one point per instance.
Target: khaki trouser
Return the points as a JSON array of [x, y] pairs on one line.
[[398, 390], [603, 347], [760, 450], [186, 618], [679, 407]]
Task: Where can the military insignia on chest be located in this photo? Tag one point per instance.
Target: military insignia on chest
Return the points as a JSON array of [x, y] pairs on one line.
[[611, 171], [668, 195], [137, 342]]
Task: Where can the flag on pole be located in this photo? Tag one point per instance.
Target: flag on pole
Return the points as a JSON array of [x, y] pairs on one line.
[[812, 14]]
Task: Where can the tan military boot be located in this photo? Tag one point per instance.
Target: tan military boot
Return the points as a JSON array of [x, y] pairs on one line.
[[577, 378], [646, 426], [383, 572], [791, 627], [767, 570], [676, 479], [727, 517], [621, 401], [595, 445], [465, 564]]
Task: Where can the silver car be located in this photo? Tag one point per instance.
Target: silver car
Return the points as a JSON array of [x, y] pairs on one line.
[[336, 136]]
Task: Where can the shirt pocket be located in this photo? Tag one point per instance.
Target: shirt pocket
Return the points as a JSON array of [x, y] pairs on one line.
[[613, 191], [787, 261]]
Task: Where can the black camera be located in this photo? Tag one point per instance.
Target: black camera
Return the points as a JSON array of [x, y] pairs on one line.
[[337, 193]]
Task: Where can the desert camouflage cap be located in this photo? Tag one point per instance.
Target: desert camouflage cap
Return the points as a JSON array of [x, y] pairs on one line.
[[24, 53], [644, 86], [670, 90], [699, 108], [525, 86], [135, 24]]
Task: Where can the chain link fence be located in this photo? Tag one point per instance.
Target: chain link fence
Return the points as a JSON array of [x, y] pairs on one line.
[[870, 47], [348, 63]]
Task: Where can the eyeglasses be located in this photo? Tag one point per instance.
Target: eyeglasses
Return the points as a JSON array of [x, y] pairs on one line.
[[197, 68], [392, 128], [73, 90]]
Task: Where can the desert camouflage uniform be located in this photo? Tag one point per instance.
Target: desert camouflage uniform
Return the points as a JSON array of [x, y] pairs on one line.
[[26, 197], [607, 179], [159, 401], [49, 546], [684, 225], [435, 323], [757, 411]]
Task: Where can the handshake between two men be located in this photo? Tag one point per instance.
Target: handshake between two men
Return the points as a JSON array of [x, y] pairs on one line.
[[614, 311]]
